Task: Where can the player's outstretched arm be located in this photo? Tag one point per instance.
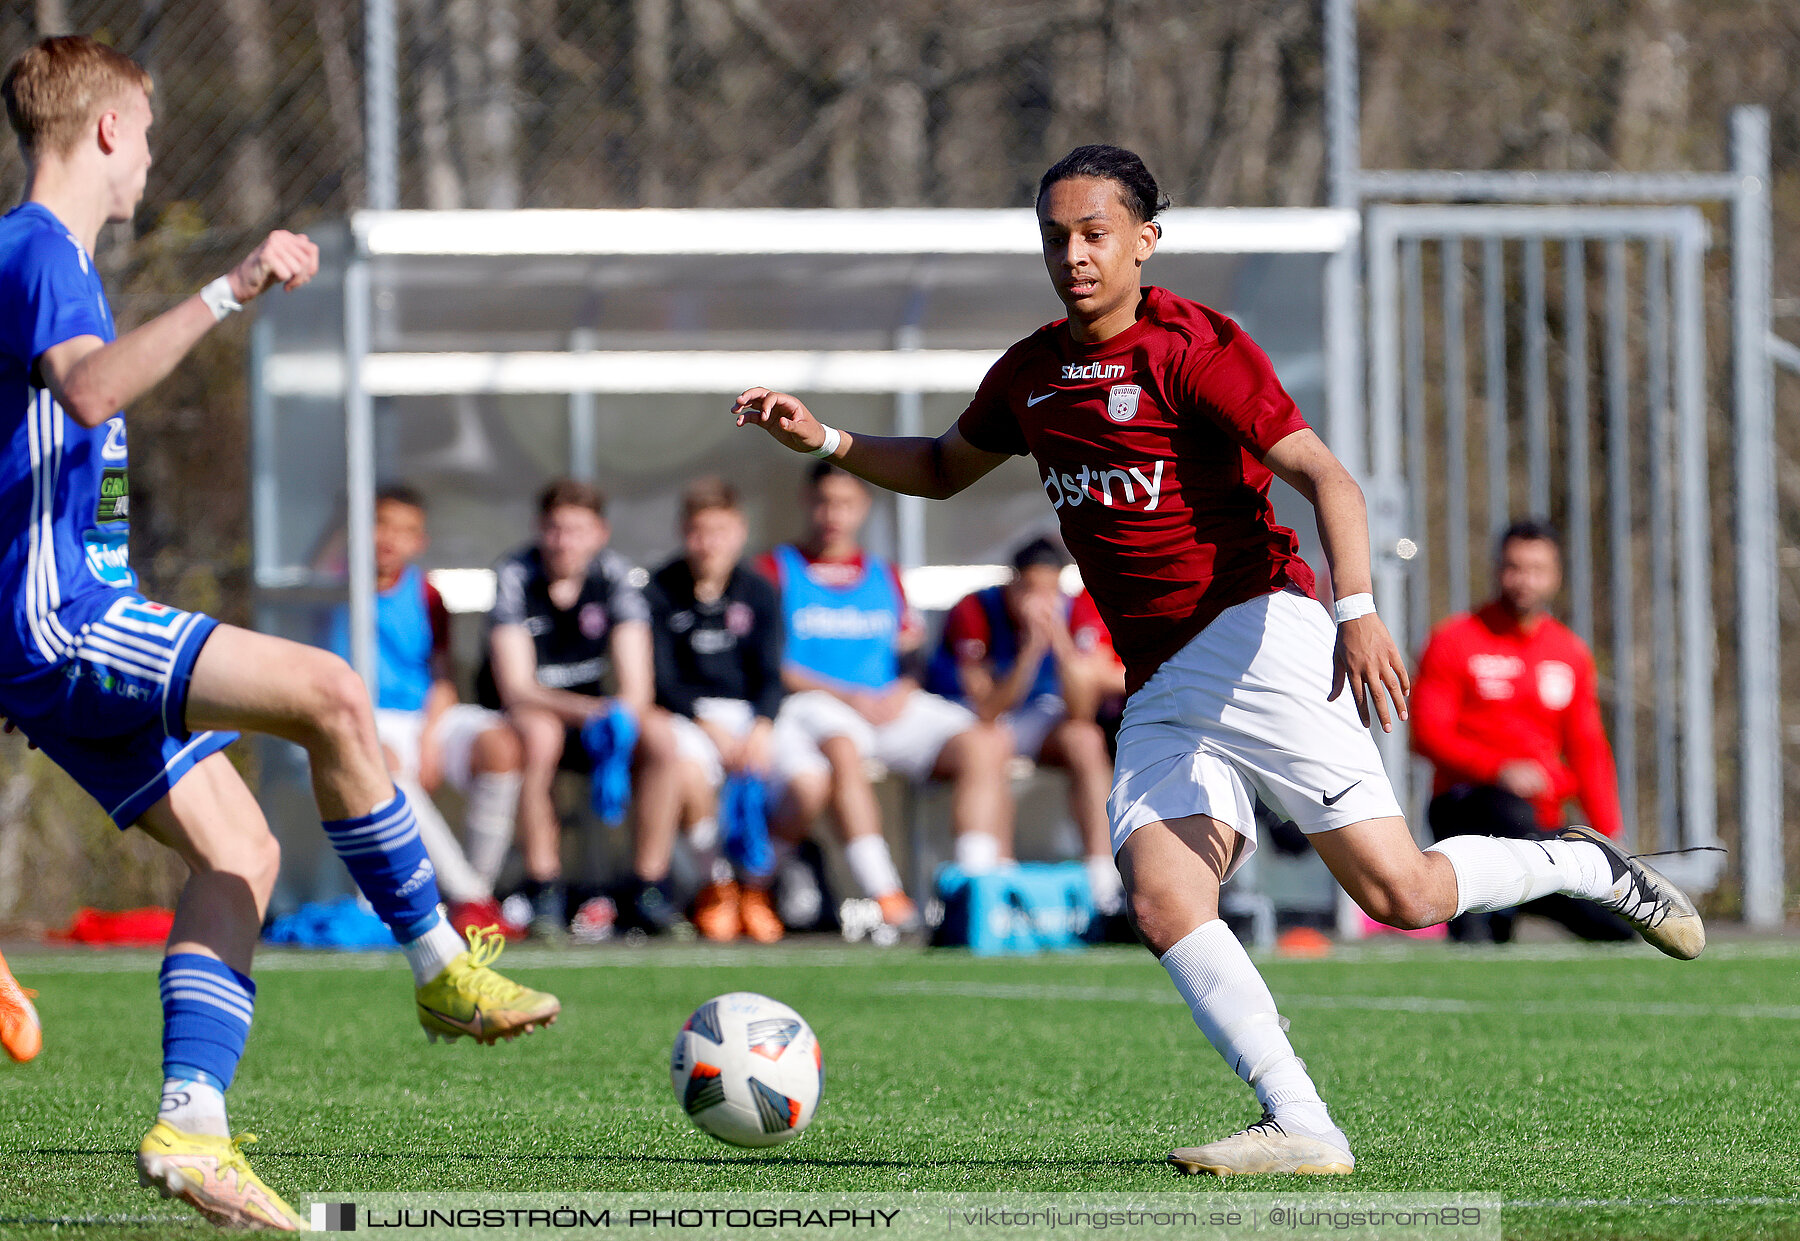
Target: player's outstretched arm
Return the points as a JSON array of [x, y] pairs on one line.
[[93, 380], [1367, 660], [913, 465]]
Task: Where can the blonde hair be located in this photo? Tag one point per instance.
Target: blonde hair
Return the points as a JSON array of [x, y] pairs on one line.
[[60, 85]]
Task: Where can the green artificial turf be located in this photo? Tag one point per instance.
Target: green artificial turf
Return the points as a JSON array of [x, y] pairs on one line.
[[1597, 1092]]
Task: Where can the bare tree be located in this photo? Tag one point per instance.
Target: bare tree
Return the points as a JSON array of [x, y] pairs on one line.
[[341, 91], [650, 81], [252, 192], [443, 180], [500, 102]]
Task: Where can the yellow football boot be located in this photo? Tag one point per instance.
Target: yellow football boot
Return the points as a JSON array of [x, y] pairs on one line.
[[211, 1175], [470, 998]]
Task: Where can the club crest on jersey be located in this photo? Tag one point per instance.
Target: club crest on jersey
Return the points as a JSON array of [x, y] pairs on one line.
[[1122, 402]]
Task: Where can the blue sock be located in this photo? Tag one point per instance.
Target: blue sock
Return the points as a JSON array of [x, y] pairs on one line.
[[207, 1007], [387, 860]]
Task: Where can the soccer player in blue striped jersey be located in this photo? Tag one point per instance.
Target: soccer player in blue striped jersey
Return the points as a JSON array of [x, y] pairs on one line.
[[135, 700]]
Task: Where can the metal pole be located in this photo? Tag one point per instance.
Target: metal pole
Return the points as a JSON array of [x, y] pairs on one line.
[[1344, 322], [1343, 121], [1662, 568], [1620, 539], [1575, 388], [1493, 331], [1537, 382], [1699, 797], [359, 484], [909, 420], [583, 431], [265, 496], [1343, 317], [1456, 419], [1759, 617], [1418, 470], [1388, 500], [381, 86]]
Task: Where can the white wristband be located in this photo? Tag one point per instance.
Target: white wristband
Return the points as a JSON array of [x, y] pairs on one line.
[[832, 440], [1352, 606], [219, 300]]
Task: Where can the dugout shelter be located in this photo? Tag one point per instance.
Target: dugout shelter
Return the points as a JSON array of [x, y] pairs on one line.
[[475, 355]]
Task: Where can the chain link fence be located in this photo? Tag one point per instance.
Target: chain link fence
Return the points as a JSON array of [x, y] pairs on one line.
[[791, 103]]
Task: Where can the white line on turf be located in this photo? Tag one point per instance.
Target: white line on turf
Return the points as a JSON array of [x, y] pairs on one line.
[[1547, 1203], [1382, 1003]]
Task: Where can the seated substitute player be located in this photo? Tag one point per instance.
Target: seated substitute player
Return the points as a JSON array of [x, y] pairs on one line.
[[717, 628], [1040, 663], [1507, 708], [568, 642], [847, 624], [127, 696], [1157, 425], [427, 736]]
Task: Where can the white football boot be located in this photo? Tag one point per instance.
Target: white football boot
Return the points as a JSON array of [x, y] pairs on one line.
[[1659, 910], [1264, 1148]]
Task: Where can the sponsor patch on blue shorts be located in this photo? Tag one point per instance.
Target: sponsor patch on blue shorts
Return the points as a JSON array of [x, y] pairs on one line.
[[118, 726]]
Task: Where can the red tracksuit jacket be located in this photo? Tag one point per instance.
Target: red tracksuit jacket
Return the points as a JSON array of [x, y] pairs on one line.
[[1489, 693]]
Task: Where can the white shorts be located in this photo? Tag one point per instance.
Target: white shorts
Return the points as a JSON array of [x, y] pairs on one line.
[[1240, 714], [1032, 722], [908, 745], [734, 715], [457, 731]]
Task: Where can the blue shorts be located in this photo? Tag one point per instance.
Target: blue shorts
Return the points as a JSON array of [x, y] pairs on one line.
[[117, 724]]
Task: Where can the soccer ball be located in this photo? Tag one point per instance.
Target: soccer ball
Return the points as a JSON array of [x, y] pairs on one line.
[[747, 1070]]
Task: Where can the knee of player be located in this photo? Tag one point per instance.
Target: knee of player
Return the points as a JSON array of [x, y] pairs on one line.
[[845, 759], [340, 705], [252, 854], [1400, 906], [986, 749], [498, 750], [656, 737], [1085, 741], [541, 741], [1155, 919]]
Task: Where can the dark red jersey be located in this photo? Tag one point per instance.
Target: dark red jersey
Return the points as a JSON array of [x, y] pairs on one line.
[[1150, 448], [1489, 692]]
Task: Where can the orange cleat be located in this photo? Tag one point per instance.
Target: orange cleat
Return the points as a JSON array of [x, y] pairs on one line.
[[20, 1032], [761, 922], [717, 912], [898, 910]]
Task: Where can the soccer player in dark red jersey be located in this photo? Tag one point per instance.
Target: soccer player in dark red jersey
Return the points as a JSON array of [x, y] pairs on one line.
[[1157, 426]]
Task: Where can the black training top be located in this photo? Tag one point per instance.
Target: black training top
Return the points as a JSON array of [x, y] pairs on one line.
[[574, 650], [729, 648]]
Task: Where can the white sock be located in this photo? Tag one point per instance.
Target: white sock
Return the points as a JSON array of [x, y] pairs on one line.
[[491, 807], [1104, 883], [457, 880], [1496, 873], [1233, 1008], [432, 951], [193, 1107], [872, 866], [977, 852]]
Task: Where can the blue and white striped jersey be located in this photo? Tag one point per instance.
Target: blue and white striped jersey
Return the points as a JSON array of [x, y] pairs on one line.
[[64, 495]]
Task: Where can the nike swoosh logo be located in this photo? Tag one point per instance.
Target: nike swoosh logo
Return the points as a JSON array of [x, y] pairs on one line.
[[1334, 800], [1033, 400], [473, 1026]]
